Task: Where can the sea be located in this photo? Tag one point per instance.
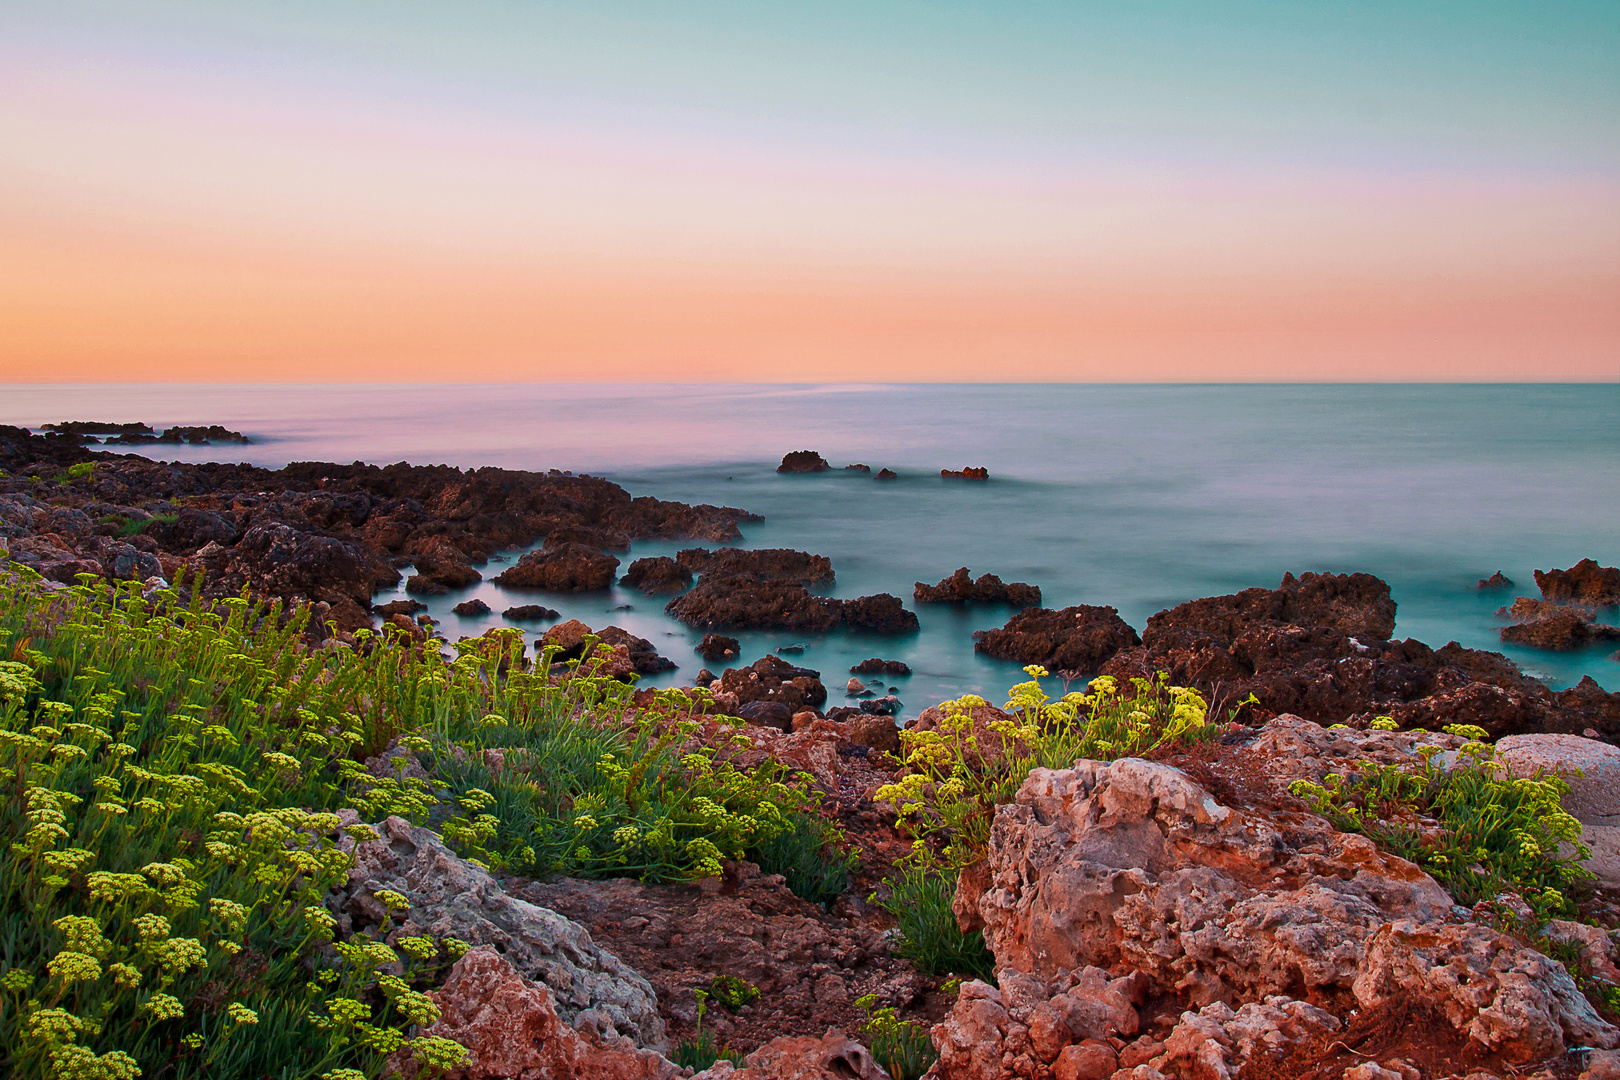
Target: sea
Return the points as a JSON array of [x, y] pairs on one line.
[[1138, 496]]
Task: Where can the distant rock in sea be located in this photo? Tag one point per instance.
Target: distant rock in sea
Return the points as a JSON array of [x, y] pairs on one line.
[[1497, 580], [960, 588], [969, 473], [803, 461]]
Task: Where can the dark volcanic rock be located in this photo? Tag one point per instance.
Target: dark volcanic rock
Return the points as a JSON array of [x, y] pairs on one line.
[[567, 568], [1584, 583], [590, 536], [874, 666], [1355, 604], [1562, 631], [717, 647], [746, 604], [399, 607], [887, 474], [471, 607], [1081, 638], [529, 613], [767, 714], [92, 427], [882, 613], [989, 589], [775, 680], [192, 529], [970, 473], [803, 461], [763, 564], [441, 562], [421, 585], [1497, 580], [658, 575]]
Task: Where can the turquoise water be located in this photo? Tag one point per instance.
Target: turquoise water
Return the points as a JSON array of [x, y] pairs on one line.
[[1136, 496]]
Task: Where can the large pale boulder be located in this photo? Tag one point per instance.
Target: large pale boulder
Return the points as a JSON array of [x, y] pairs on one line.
[[1591, 768], [450, 897]]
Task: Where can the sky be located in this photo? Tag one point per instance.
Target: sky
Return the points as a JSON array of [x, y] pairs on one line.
[[804, 192]]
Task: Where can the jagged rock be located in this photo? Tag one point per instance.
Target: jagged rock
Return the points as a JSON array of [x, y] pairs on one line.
[[1560, 631], [1496, 581], [1217, 1041], [567, 568], [1081, 638], [511, 1028], [449, 897], [420, 585], [759, 564], [471, 608], [960, 588], [834, 1056], [972, 472], [755, 605], [803, 461], [1584, 583], [398, 607], [875, 732], [439, 561], [881, 613], [569, 638], [887, 474], [717, 647], [657, 575]]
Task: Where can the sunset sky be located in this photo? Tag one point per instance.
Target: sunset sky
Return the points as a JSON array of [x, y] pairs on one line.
[[803, 192]]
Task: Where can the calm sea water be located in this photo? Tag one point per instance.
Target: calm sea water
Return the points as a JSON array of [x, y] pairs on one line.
[[1136, 496]]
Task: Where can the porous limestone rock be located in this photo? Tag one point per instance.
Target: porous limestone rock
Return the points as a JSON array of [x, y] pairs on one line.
[[834, 1056], [450, 897]]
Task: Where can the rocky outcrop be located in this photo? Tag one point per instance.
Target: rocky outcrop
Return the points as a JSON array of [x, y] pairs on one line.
[[1561, 631], [972, 472], [511, 1028], [1495, 582], [1584, 583], [450, 897], [717, 647], [771, 679], [803, 461], [746, 604], [471, 608], [1112, 889], [879, 614], [657, 575], [759, 564], [439, 561], [876, 666], [529, 613], [569, 639], [1080, 639], [565, 568], [960, 588], [834, 1056], [887, 474]]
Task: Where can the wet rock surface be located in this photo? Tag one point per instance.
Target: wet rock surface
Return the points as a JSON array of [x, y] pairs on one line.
[[1080, 639], [961, 588]]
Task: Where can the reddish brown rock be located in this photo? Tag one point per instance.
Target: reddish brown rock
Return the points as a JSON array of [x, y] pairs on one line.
[[657, 575], [717, 647], [567, 568], [510, 1028], [970, 473], [960, 588], [1496, 581], [441, 562], [803, 461], [833, 1056], [758, 564], [1080, 639], [1561, 631], [1584, 583], [887, 474], [772, 679]]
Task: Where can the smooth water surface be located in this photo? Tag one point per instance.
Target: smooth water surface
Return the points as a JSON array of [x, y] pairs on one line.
[[1136, 496]]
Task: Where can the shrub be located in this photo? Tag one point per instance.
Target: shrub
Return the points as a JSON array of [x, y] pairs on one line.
[[902, 1047], [699, 1050], [732, 992], [1496, 832], [810, 856], [919, 897]]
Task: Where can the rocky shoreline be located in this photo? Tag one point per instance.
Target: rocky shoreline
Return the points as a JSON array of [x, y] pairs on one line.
[[1187, 915]]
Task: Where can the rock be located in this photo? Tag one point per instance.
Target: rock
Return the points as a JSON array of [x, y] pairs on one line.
[[1218, 1041], [874, 666], [887, 474], [419, 585], [529, 613], [440, 561], [658, 575], [591, 536], [1584, 583], [1602, 1065], [888, 705], [879, 614], [803, 1057], [960, 588], [874, 732], [449, 897], [755, 605], [1496, 581], [1591, 768], [192, 529], [761, 564], [399, 607], [969, 473], [125, 562], [567, 568], [511, 1028], [1089, 1060], [471, 608], [773, 679], [643, 655], [717, 647], [986, 745], [857, 468], [1561, 631], [803, 461], [1080, 639], [772, 714], [704, 677], [569, 638], [279, 560], [855, 687]]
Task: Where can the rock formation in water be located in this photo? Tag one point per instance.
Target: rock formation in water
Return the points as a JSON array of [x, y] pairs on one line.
[[960, 588]]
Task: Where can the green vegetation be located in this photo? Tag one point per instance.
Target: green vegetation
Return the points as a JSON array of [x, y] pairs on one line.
[[169, 781], [902, 1047], [732, 992], [958, 774], [699, 1051], [1495, 833], [128, 526]]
